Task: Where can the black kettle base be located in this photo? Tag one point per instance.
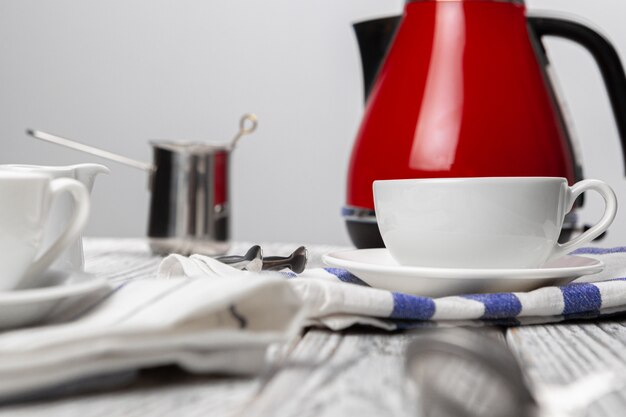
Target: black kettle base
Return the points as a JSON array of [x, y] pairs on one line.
[[364, 235]]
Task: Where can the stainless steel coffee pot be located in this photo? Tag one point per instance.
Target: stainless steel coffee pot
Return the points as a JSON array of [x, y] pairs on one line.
[[189, 183], [189, 205]]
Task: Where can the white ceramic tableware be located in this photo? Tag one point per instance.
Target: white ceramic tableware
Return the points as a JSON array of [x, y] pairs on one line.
[[61, 212], [25, 202], [377, 268], [498, 222], [32, 306]]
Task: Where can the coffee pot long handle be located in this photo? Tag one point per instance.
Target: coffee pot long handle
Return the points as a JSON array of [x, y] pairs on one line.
[[605, 56], [68, 143]]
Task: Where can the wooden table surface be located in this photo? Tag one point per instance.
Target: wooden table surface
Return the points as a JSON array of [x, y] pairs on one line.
[[323, 373]]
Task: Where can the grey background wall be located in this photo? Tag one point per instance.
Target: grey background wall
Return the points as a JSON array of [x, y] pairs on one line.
[[117, 73]]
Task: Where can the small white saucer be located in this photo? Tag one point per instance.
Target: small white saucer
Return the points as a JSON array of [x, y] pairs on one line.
[[377, 268], [32, 306]]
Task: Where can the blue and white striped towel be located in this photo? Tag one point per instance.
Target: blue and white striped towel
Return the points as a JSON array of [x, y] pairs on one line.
[[337, 299]]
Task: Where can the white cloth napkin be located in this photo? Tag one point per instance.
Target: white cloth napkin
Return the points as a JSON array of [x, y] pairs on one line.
[[221, 325], [330, 302]]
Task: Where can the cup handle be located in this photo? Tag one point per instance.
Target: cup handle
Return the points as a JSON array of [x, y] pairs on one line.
[[610, 210], [81, 212]]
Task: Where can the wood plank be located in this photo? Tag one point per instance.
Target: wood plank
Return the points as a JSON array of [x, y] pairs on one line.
[[562, 353], [335, 374], [164, 392], [341, 374]]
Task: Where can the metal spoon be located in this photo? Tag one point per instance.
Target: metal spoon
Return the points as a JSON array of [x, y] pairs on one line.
[[461, 373], [251, 261], [254, 261], [296, 261]]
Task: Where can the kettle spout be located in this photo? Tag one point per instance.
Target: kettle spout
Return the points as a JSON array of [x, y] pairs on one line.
[[374, 38], [86, 173]]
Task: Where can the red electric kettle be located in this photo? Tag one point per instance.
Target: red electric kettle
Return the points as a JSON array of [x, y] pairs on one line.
[[463, 91]]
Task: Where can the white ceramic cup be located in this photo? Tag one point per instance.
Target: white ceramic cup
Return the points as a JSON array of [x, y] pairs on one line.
[[498, 222], [25, 202]]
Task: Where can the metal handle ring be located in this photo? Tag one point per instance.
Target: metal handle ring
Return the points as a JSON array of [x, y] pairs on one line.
[[247, 119], [251, 120]]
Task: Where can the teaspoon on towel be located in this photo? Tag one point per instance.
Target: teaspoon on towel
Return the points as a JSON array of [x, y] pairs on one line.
[[254, 261]]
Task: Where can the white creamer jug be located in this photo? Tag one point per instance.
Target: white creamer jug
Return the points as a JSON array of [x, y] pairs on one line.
[[61, 211]]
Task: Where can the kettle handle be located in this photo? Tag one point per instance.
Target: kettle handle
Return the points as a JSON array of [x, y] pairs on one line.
[[605, 56]]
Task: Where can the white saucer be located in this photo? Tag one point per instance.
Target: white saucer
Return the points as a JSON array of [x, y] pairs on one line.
[[32, 306], [377, 268]]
